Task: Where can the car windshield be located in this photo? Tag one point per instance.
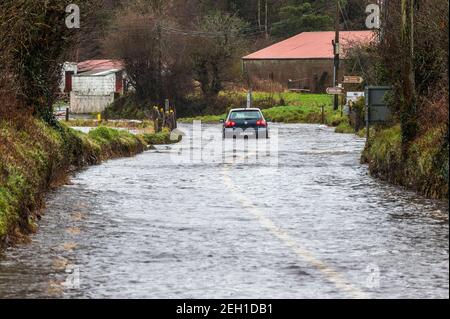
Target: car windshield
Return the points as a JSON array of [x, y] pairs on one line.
[[245, 115]]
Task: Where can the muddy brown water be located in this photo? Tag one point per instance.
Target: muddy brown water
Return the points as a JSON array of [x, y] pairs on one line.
[[312, 224]]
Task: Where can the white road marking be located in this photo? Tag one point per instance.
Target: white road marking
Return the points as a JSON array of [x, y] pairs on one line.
[[332, 275]]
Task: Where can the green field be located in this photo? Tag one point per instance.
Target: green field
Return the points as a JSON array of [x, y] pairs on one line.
[[283, 98], [295, 108]]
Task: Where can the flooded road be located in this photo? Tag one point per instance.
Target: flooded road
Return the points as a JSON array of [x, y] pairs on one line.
[[306, 221]]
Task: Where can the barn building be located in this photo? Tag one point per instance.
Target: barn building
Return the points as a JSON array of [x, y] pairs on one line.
[[92, 84], [303, 62]]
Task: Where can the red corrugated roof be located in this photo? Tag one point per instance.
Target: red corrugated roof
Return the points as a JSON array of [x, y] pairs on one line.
[[99, 65], [310, 45]]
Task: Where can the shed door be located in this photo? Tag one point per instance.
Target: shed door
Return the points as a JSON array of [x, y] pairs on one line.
[[119, 82], [68, 77]]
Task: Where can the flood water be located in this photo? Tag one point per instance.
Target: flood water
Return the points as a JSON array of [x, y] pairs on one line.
[[306, 221]]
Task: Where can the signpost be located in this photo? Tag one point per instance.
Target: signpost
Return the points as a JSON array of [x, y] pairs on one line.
[[354, 96], [353, 79], [335, 91]]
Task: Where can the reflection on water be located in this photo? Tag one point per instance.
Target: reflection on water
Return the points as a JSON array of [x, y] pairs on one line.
[[157, 227]]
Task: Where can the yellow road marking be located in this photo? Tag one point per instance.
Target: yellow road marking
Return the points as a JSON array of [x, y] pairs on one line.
[[332, 275]]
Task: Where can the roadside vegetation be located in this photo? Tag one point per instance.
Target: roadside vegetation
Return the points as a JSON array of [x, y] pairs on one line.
[[35, 157], [285, 114], [426, 168], [161, 138], [37, 152], [411, 150], [141, 127], [109, 123]]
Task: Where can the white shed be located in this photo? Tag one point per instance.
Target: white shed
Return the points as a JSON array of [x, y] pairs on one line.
[[95, 85]]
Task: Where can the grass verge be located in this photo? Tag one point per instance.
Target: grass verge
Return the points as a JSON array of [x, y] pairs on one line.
[[111, 123], [35, 158], [426, 168]]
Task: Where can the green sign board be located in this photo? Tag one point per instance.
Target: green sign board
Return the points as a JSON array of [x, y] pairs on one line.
[[377, 108]]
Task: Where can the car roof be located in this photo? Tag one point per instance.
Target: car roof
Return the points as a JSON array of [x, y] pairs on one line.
[[245, 109]]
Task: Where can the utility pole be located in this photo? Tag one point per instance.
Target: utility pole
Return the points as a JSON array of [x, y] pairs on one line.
[[336, 49]]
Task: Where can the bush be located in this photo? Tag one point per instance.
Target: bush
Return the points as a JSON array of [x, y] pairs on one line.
[[358, 115], [162, 138], [345, 128], [127, 107]]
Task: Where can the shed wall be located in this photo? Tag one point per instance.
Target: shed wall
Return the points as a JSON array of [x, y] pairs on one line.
[[314, 74], [84, 104], [94, 85]]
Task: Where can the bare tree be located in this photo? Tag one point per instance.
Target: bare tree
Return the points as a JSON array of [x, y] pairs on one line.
[[415, 51], [154, 56], [215, 50], [34, 41]]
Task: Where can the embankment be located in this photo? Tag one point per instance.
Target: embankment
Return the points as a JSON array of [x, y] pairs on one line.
[[426, 169], [35, 157]]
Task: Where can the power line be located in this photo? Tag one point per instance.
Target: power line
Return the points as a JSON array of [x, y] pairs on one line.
[[346, 17], [251, 30]]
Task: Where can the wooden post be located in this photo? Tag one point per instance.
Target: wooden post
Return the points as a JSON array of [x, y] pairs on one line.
[[367, 123], [323, 114], [175, 118], [67, 114], [162, 120]]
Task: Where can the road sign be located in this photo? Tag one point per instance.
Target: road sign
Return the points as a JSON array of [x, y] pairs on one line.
[[335, 91], [377, 108], [354, 96], [353, 79]]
